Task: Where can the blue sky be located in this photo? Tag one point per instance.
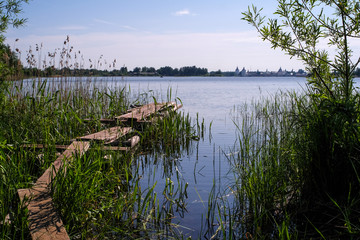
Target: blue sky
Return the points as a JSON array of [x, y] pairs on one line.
[[153, 33]]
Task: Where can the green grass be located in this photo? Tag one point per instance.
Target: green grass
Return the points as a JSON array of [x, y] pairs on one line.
[[262, 171], [295, 171], [99, 195]]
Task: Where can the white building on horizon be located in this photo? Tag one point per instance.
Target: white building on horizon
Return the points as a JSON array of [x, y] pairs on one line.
[[241, 73]]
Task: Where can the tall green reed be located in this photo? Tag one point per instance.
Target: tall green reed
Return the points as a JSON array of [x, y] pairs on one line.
[[289, 146], [41, 115], [99, 195], [13, 214], [265, 180], [56, 112]]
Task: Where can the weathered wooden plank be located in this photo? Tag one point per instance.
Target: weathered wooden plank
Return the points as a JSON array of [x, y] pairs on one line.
[[115, 148], [137, 112], [74, 148], [108, 135], [140, 113], [44, 222], [145, 111]]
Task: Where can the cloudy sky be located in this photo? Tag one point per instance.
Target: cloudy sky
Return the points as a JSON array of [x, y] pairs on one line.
[[153, 33]]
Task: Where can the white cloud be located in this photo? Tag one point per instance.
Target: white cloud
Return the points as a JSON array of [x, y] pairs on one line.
[[72, 28], [129, 28], [182, 12], [103, 21]]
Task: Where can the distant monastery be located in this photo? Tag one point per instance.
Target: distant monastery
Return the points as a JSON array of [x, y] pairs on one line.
[[279, 73]]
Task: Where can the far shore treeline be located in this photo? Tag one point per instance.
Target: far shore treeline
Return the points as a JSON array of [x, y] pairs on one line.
[[16, 69], [123, 71]]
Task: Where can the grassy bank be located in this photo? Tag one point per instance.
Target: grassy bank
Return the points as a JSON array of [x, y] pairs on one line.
[[305, 180], [100, 195], [295, 171]]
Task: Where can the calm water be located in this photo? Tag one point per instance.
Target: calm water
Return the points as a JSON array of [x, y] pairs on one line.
[[212, 99], [205, 165]]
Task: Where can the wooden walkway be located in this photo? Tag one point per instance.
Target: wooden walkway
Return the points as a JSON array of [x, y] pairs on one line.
[[44, 221], [107, 136], [143, 112]]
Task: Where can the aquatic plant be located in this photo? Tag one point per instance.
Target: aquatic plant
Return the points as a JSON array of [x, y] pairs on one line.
[[298, 163], [99, 195]]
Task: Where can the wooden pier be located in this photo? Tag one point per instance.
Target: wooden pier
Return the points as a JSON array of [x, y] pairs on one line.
[[44, 221]]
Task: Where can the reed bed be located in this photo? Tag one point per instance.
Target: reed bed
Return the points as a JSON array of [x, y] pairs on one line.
[[99, 195], [266, 179], [287, 170], [262, 174]]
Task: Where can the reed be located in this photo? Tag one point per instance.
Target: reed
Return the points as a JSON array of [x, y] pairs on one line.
[[277, 166], [324, 142], [100, 194]]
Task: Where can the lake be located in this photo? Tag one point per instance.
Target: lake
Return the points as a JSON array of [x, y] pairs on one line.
[[214, 99], [204, 167]]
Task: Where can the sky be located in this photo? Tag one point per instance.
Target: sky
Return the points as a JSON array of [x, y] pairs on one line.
[[153, 33]]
